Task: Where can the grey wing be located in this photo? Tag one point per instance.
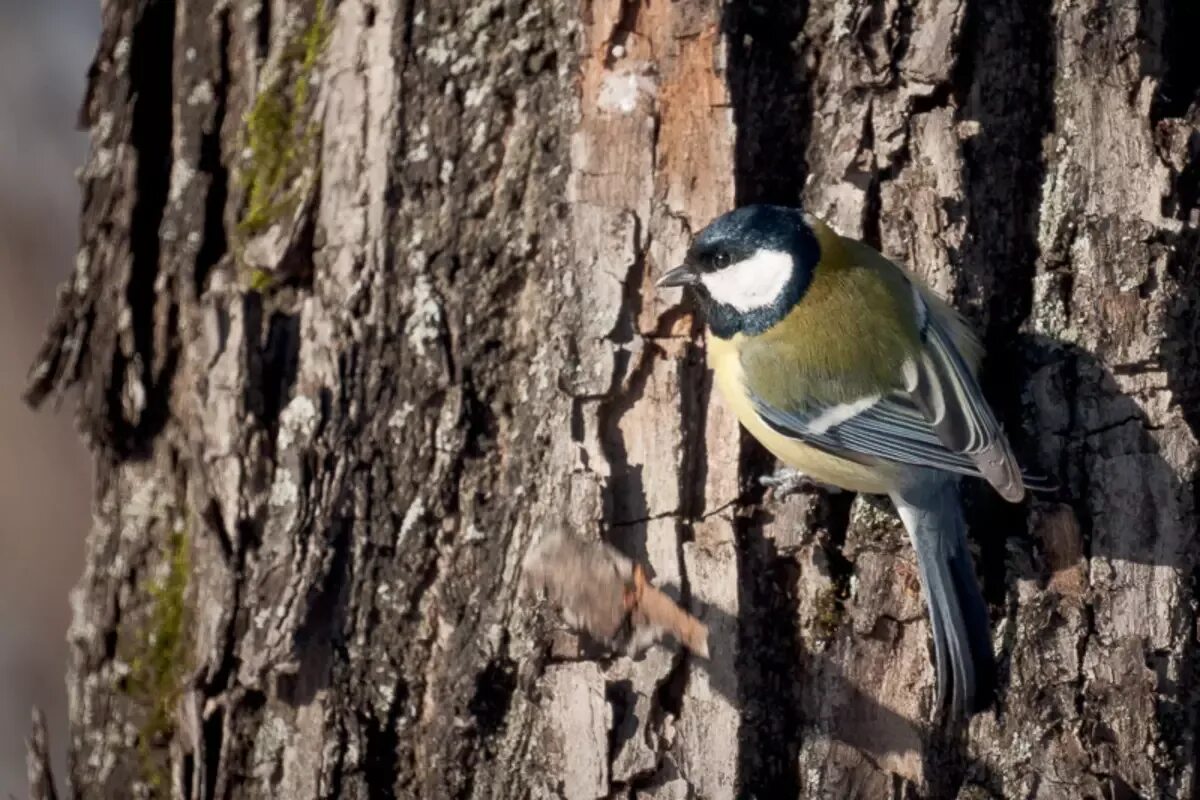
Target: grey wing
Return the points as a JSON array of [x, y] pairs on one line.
[[887, 427], [949, 396], [940, 420]]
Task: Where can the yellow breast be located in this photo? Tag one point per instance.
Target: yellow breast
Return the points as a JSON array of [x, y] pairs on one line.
[[820, 466]]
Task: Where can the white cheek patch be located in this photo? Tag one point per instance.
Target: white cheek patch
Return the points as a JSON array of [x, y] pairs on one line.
[[752, 283]]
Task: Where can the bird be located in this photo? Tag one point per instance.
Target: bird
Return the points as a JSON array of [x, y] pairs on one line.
[[852, 372]]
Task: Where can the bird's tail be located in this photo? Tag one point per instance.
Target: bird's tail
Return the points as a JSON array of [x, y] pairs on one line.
[[932, 513]]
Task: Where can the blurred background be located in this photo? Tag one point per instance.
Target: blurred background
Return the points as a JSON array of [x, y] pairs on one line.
[[45, 49]]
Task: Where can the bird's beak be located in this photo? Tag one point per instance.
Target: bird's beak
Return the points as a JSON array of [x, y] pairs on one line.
[[683, 275]]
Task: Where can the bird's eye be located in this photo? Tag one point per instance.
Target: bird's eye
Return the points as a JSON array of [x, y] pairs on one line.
[[720, 260]]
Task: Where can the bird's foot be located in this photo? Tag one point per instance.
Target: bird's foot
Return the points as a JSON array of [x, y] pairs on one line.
[[785, 482]]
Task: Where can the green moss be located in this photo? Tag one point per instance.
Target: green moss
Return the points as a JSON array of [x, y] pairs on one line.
[[279, 136], [260, 280], [272, 151], [159, 666], [310, 45], [828, 617]]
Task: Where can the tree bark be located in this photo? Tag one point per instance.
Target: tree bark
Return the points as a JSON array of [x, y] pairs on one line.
[[363, 308]]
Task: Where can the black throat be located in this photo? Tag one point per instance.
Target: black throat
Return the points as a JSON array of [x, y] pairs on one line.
[[725, 321]]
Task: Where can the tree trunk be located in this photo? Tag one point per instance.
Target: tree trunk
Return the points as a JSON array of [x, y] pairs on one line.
[[364, 307]]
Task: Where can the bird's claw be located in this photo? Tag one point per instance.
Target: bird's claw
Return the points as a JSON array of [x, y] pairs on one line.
[[786, 482]]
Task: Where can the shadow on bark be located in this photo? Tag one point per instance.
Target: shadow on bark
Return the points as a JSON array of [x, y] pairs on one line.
[[1178, 99], [1004, 82], [624, 493], [1182, 356], [772, 109], [769, 89]]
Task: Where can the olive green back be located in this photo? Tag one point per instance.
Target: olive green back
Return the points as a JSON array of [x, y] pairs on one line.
[[847, 338]]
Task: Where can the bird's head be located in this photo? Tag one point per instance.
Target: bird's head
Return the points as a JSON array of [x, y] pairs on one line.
[[749, 267]]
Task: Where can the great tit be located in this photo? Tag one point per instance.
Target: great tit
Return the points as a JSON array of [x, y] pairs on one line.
[[849, 370]]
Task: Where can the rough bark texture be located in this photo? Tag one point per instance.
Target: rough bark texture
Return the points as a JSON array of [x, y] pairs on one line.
[[363, 307]]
